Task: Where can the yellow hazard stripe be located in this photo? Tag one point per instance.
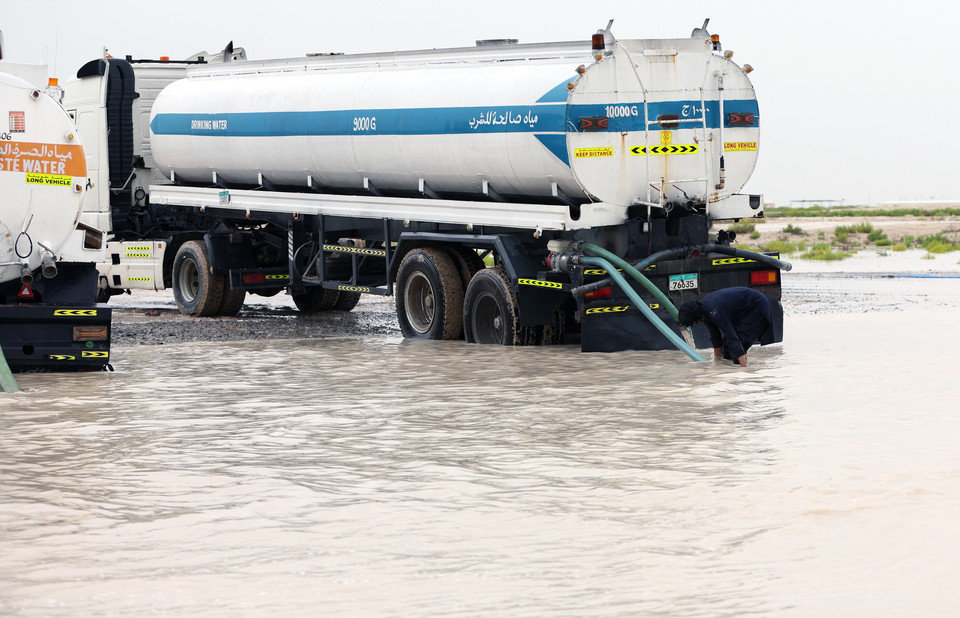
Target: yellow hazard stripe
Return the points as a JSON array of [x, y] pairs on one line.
[[596, 310], [541, 284], [352, 288], [95, 354], [75, 312], [601, 271], [616, 309], [358, 250], [735, 260], [665, 149]]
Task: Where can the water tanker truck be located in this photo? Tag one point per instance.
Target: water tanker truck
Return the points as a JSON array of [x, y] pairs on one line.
[[478, 185], [49, 319]]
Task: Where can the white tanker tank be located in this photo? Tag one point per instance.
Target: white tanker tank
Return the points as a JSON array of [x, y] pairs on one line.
[[657, 122], [48, 278], [43, 179]]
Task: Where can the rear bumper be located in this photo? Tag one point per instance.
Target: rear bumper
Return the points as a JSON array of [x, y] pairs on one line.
[[613, 323], [55, 338]]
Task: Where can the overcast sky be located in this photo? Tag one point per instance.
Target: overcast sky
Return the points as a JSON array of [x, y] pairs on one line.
[[859, 104]]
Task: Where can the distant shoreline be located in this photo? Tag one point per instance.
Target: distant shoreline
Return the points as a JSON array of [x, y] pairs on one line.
[[840, 232], [859, 211]]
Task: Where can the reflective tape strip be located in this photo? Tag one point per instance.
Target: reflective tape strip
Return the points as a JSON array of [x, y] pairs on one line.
[[358, 250], [665, 149], [541, 284], [735, 260]]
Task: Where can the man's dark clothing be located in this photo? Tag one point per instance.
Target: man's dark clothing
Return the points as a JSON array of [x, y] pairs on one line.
[[737, 318]]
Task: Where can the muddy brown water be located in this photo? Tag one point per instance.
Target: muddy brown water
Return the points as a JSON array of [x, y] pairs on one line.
[[370, 476]]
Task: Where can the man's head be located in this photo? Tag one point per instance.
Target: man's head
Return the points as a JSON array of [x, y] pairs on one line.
[[690, 313]]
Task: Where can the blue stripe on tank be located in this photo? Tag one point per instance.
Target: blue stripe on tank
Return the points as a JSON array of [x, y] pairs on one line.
[[555, 143], [559, 93], [538, 119]]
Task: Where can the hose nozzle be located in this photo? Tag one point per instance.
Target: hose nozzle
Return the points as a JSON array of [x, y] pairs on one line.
[[48, 265], [26, 274]]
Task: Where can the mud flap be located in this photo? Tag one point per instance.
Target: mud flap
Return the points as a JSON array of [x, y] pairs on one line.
[[614, 328]]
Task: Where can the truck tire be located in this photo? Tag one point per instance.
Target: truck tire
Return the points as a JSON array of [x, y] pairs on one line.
[[315, 299], [232, 300], [553, 333], [491, 311], [197, 291], [468, 263], [429, 295], [347, 301]]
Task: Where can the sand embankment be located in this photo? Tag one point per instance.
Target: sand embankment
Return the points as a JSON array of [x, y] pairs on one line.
[[896, 228]]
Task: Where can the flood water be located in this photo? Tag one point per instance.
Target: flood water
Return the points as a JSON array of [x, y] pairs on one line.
[[375, 476]]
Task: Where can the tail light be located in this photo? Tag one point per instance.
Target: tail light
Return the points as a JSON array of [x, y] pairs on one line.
[[249, 278], [601, 293], [90, 333], [764, 277]]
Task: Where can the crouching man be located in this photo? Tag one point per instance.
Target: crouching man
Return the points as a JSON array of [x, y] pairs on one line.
[[737, 318]]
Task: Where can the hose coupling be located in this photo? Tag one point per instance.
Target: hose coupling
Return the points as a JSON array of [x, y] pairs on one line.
[[48, 265], [26, 274], [725, 237]]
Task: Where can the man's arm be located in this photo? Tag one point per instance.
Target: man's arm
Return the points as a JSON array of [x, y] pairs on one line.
[[720, 322]]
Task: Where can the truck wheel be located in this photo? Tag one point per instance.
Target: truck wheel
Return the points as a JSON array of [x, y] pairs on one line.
[[468, 263], [197, 291], [491, 311], [429, 295], [554, 333], [103, 296], [316, 299], [232, 300], [347, 301]]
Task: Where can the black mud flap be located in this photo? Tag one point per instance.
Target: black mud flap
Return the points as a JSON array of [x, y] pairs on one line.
[[617, 327], [55, 338]]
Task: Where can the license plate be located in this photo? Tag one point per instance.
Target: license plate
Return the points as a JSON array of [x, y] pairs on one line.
[[684, 282]]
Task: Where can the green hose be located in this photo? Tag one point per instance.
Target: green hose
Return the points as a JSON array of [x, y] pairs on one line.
[[7, 381], [642, 306], [636, 274]]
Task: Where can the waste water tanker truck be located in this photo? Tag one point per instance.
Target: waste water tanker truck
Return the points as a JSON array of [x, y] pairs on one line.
[[468, 182], [49, 319]]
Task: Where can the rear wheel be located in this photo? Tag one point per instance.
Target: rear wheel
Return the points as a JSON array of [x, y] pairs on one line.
[[468, 263], [103, 295], [196, 290], [553, 333], [232, 300], [316, 299], [429, 295], [347, 301], [491, 311]]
